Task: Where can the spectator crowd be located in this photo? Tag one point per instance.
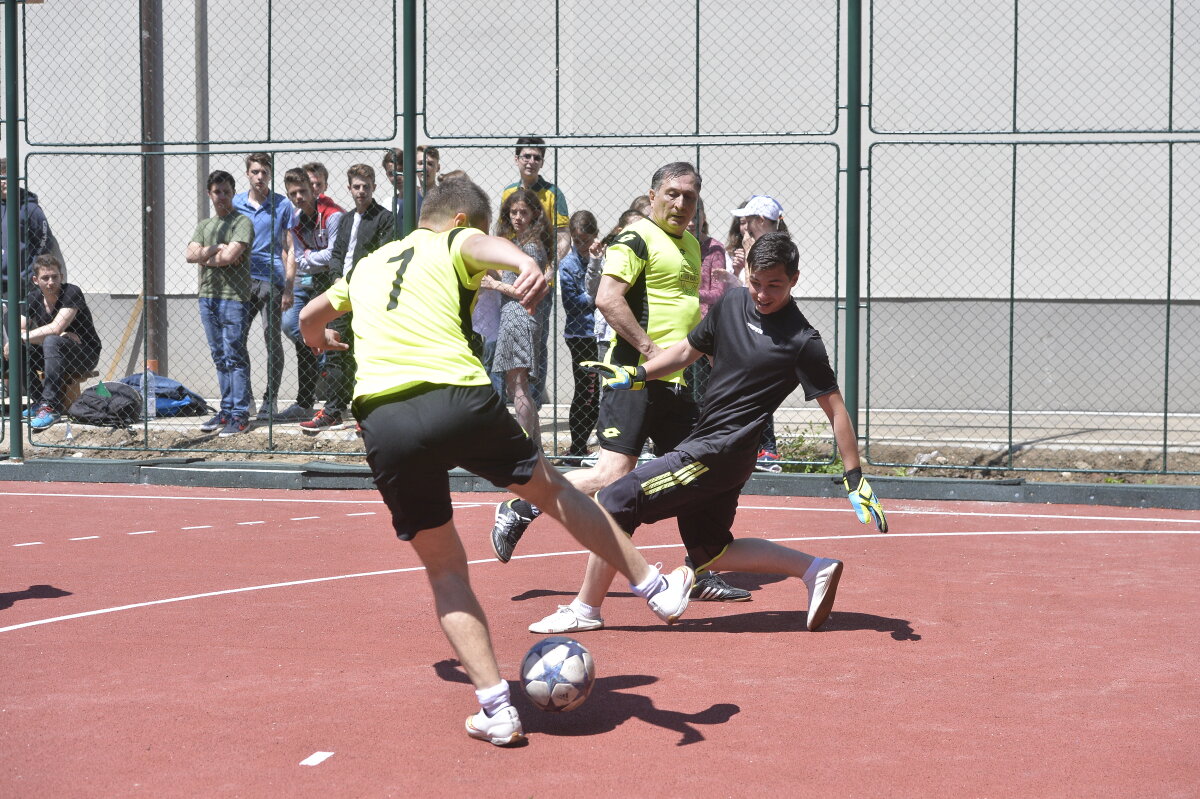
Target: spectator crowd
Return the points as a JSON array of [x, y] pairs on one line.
[[265, 255]]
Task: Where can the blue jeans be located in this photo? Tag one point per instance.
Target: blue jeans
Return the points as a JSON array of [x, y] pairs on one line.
[[226, 324], [308, 366]]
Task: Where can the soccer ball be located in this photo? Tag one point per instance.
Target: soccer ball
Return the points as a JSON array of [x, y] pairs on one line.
[[558, 674]]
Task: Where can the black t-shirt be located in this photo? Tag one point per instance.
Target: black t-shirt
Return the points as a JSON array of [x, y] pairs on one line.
[[36, 314], [757, 362]]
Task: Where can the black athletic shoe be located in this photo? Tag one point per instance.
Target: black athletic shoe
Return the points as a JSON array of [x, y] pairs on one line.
[[710, 587], [511, 520]]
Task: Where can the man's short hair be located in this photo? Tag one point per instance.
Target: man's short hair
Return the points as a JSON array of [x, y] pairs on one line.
[[260, 158], [430, 151], [218, 176], [458, 195], [46, 261], [772, 249], [318, 167], [531, 143], [363, 171], [4, 167], [392, 155], [453, 174], [296, 177], [671, 171], [584, 222]]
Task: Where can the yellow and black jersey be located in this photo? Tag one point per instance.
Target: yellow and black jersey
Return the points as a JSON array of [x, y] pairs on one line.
[[663, 273], [412, 302]]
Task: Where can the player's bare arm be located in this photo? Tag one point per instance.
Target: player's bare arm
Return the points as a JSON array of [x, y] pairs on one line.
[[610, 299], [313, 320], [843, 431], [483, 253], [679, 355]]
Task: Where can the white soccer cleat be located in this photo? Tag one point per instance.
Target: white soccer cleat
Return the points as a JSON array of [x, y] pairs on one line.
[[565, 620], [502, 729], [670, 603], [822, 588]]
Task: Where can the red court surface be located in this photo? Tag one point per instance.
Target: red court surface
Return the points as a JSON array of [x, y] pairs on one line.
[[200, 642]]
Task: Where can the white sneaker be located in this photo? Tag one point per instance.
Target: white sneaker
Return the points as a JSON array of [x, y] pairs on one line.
[[502, 729], [670, 603], [822, 587], [565, 620]]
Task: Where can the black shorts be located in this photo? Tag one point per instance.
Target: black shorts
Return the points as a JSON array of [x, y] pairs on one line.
[[416, 438], [703, 499], [663, 412]]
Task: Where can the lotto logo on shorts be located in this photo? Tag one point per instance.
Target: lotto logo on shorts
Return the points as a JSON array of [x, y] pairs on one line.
[[611, 432]]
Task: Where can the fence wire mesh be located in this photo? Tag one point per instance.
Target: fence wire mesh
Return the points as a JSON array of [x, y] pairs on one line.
[[1031, 293], [1020, 292], [253, 71], [1009, 66]]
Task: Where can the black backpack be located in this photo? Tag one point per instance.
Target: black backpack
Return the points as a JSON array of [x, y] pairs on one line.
[[118, 405]]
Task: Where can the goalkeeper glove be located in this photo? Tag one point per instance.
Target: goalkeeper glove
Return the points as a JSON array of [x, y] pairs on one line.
[[615, 376], [863, 499]]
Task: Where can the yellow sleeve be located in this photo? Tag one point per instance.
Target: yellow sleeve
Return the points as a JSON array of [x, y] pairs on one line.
[[339, 295]]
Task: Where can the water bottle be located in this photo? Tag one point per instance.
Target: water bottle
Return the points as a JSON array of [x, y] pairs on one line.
[[149, 393]]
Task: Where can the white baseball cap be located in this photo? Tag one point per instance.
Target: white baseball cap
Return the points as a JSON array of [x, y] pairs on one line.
[[761, 205]]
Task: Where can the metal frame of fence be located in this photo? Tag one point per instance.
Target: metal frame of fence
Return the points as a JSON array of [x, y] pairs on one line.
[[1026, 37]]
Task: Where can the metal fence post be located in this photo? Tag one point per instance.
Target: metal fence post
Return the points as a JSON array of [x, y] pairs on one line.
[[153, 187], [850, 374], [13, 245], [409, 89]]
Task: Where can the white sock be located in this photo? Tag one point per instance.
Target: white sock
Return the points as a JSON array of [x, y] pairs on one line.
[[653, 583], [814, 567], [584, 610], [494, 698]]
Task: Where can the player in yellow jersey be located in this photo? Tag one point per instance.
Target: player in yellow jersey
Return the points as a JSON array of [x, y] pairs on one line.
[[426, 406], [650, 295]]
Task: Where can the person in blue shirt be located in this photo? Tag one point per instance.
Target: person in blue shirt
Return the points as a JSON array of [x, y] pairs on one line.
[[272, 266], [580, 307]]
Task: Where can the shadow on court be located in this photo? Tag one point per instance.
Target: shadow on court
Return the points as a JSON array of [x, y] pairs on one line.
[[746, 580], [10, 598], [787, 621], [610, 705]]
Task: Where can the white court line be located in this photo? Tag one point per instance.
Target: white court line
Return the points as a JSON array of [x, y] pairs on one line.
[[197, 527], [84, 538], [142, 532], [290, 500], [251, 522], [316, 758], [953, 513], [465, 504], [492, 561], [304, 518], [29, 544], [364, 513]]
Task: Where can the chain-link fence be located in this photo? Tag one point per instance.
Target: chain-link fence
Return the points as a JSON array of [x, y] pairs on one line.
[[1020, 288]]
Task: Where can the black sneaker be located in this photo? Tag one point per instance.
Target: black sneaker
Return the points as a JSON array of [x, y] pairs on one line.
[[511, 521], [215, 423], [710, 587]]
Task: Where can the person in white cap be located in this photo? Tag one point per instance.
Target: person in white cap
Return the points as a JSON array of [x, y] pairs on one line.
[[762, 214]]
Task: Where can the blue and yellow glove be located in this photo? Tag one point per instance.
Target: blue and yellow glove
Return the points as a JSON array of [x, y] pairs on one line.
[[615, 376], [863, 499]]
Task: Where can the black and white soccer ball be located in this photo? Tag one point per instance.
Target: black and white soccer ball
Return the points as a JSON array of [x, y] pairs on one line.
[[558, 674]]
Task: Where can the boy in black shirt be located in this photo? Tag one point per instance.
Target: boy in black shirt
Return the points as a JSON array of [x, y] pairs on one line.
[[762, 348]]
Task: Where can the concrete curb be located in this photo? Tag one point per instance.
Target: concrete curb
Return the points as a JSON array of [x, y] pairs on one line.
[[187, 471]]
